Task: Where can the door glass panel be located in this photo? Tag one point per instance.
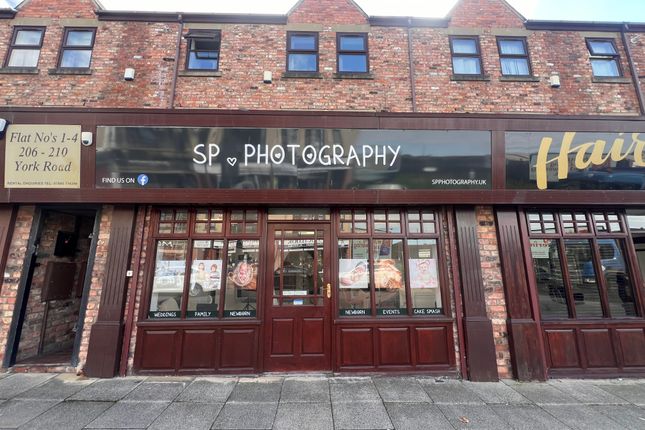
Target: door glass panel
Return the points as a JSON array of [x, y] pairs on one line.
[[619, 285], [424, 277], [389, 276], [295, 266], [242, 261], [354, 279], [552, 292], [582, 275], [205, 279], [168, 282]]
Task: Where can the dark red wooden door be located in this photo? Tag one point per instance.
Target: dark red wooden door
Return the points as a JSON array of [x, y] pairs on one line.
[[298, 325]]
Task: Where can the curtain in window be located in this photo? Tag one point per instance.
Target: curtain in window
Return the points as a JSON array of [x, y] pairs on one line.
[[515, 66], [466, 66]]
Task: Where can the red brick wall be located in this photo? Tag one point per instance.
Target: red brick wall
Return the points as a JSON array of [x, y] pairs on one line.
[[494, 288], [248, 50], [58, 8], [13, 271], [241, 87], [328, 12], [484, 13], [147, 257], [98, 278]]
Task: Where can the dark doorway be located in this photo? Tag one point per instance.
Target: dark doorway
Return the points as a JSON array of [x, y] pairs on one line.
[[49, 327]]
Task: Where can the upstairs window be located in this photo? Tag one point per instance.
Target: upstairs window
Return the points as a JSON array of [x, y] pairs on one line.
[[203, 50], [466, 56], [604, 58], [302, 52], [76, 52], [513, 56], [352, 53], [25, 47]]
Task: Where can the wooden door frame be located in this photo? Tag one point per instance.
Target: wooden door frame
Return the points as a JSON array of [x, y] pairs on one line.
[[267, 288]]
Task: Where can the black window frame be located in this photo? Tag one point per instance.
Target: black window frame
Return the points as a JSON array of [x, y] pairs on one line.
[[364, 52], [12, 45], [477, 55], [212, 35], [604, 57], [526, 56], [315, 51], [64, 47]]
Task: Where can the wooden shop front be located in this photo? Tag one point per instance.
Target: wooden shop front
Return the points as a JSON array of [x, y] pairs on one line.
[[337, 242]]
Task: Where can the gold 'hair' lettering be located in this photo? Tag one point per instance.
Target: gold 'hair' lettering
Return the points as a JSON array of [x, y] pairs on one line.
[[638, 150]]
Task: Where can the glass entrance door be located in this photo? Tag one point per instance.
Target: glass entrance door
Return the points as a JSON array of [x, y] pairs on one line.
[[298, 325]]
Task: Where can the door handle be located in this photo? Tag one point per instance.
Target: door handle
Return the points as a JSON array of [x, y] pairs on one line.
[[329, 291]]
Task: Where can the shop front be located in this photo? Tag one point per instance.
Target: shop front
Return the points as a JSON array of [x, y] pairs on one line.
[[274, 242]]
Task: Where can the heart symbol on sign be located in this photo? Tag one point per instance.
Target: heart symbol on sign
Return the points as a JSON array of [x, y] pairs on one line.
[[231, 161]]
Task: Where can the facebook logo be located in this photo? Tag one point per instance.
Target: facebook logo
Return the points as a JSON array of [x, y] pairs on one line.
[[142, 179]]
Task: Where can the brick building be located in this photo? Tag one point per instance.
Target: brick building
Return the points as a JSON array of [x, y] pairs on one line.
[[321, 191]]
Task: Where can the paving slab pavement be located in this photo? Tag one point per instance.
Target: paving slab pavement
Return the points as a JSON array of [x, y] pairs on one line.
[[301, 416], [14, 413], [68, 415], [37, 401], [187, 416], [18, 383]]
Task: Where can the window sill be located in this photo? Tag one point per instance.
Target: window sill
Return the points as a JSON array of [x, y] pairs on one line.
[[518, 78], [301, 75], [469, 78], [70, 71], [19, 71], [353, 76], [610, 80], [203, 73]]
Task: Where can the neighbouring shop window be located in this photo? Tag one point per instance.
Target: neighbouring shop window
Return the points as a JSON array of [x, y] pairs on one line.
[[76, 52], [203, 50], [513, 56], [389, 263], [352, 54], [204, 269], [604, 58], [302, 52], [24, 50], [466, 56], [580, 264]]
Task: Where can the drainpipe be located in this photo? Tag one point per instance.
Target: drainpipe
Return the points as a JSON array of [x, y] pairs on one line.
[[411, 68], [637, 83], [173, 88]]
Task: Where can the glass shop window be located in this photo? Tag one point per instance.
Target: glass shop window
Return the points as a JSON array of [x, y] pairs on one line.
[[201, 270], [168, 280], [394, 267], [242, 266], [581, 268]]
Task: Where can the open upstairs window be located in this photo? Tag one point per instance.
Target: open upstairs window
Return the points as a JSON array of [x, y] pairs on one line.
[[466, 55], [203, 50], [302, 52], [24, 50], [352, 53], [76, 51], [604, 58]]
